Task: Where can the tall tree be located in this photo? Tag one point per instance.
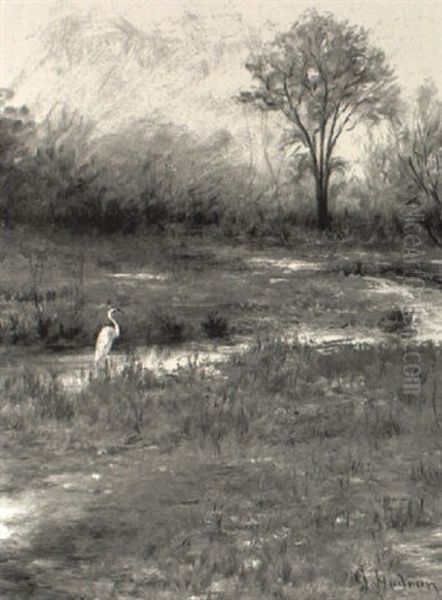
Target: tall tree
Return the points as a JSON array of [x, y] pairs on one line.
[[324, 76]]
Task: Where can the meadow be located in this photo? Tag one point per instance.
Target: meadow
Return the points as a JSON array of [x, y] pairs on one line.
[[265, 209], [294, 468], [57, 287]]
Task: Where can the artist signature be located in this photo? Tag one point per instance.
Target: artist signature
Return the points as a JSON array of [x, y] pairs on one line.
[[381, 581]]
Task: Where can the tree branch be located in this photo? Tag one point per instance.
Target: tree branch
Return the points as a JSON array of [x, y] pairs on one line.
[[299, 123]]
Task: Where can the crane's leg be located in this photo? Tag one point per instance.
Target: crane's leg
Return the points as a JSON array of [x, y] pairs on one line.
[[100, 366], [103, 366], [107, 367]]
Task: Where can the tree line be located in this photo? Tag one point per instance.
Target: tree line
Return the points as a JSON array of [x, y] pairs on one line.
[[323, 77]]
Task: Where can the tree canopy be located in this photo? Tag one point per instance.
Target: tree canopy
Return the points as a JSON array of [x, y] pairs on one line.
[[325, 77]]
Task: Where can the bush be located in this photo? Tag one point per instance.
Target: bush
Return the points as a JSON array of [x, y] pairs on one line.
[[38, 313], [396, 320], [166, 328], [215, 326]]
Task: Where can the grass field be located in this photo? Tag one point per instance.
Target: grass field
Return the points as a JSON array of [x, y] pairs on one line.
[[55, 291], [291, 471]]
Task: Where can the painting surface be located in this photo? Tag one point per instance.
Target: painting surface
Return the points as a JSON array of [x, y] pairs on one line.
[[220, 300]]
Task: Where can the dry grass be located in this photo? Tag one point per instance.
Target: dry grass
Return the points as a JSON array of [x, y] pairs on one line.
[[284, 477], [288, 473], [55, 291]]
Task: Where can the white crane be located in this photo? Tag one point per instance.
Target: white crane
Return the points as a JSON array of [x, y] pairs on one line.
[[105, 340]]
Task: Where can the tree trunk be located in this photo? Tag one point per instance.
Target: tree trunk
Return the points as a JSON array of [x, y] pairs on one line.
[[322, 204]]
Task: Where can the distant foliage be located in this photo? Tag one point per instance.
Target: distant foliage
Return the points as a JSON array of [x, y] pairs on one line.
[[55, 173], [402, 169], [17, 132], [421, 154]]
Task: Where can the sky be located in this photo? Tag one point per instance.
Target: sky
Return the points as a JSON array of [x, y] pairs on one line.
[[410, 32]]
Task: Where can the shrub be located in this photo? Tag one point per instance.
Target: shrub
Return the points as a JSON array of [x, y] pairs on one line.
[[215, 326], [396, 320], [166, 328]]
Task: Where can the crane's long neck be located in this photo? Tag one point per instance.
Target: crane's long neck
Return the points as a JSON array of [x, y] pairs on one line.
[[114, 323]]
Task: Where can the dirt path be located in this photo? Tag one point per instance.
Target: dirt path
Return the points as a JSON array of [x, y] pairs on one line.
[[66, 518], [42, 492], [70, 523]]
